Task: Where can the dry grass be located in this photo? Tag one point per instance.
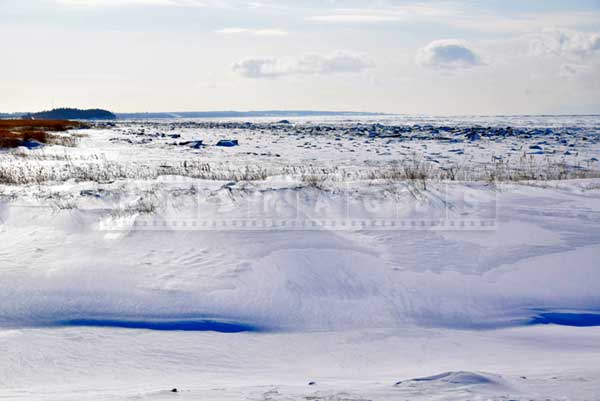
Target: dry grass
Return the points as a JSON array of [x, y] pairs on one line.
[[11, 139], [22, 168], [14, 133], [45, 125]]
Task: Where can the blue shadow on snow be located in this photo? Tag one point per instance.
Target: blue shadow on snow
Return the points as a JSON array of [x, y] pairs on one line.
[[162, 325], [567, 319]]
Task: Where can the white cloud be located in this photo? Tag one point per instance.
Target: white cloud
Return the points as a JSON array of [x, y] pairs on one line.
[[355, 18], [311, 64], [448, 54], [255, 32], [563, 42], [406, 12], [455, 15]]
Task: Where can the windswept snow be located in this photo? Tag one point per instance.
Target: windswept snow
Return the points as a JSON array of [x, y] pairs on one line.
[[307, 253]]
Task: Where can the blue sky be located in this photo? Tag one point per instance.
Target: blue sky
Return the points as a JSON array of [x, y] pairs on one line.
[[430, 57]]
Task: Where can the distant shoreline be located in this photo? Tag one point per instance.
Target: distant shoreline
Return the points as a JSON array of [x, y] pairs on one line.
[[234, 114], [295, 113]]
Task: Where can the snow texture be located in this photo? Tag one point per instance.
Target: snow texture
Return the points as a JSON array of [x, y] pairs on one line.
[[134, 278]]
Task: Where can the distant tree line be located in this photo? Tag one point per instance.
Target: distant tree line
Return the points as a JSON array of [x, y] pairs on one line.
[[71, 114]]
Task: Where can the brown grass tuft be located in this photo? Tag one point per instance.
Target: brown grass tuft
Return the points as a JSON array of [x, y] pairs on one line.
[[46, 125], [14, 132]]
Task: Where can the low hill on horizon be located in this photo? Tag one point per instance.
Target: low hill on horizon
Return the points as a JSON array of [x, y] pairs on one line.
[[71, 114]]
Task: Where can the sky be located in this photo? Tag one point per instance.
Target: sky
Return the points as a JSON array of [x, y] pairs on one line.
[[414, 57]]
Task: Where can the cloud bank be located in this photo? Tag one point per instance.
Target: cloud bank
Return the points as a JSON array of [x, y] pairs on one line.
[[448, 54], [311, 64]]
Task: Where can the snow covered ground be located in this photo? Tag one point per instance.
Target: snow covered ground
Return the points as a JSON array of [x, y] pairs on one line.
[[317, 260]]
